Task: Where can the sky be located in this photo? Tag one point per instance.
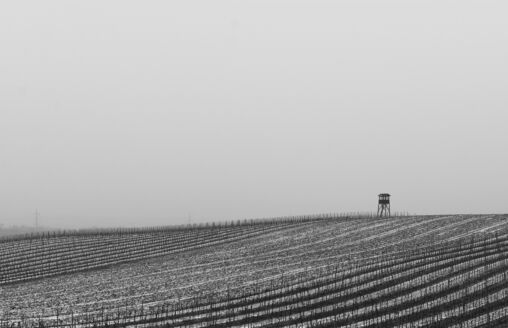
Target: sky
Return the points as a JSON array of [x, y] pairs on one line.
[[133, 113]]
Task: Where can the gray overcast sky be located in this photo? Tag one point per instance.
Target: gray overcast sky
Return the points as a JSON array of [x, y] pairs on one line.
[[141, 112]]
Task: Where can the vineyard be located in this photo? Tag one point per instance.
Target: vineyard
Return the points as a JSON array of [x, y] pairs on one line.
[[318, 271]]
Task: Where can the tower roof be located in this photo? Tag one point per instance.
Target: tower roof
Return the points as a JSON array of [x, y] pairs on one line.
[[384, 195]]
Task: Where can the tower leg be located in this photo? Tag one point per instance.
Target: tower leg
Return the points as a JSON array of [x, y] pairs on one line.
[[383, 210]]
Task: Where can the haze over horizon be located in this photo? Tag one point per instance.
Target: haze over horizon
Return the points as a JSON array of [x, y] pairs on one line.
[[127, 113]]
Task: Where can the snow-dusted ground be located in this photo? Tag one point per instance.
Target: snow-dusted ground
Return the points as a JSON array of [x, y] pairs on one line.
[[235, 266]]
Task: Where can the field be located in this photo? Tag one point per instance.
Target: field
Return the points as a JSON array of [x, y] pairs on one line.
[[320, 271]]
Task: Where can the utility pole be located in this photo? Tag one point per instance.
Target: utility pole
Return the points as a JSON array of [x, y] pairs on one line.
[[36, 220]]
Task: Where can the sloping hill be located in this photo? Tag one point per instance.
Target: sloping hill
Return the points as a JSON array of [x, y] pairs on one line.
[[397, 272], [41, 255]]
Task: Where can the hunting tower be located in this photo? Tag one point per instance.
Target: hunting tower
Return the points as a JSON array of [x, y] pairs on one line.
[[383, 206]]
